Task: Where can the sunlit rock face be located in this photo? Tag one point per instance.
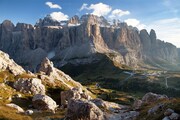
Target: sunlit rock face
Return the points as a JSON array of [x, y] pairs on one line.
[[78, 40]]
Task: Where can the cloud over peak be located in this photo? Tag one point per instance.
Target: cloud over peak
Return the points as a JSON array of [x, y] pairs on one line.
[[135, 23], [117, 13], [99, 9], [51, 5], [59, 16]]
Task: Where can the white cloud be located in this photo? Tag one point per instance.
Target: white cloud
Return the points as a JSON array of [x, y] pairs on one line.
[[117, 13], [135, 23], [167, 30], [84, 6], [51, 5], [99, 9], [59, 16]]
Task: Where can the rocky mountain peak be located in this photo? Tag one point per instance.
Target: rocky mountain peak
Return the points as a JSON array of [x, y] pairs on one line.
[[93, 19], [47, 21], [23, 26], [8, 25], [145, 39], [74, 20], [153, 35]]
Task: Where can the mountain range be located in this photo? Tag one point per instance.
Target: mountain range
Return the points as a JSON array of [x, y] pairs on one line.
[[82, 40]]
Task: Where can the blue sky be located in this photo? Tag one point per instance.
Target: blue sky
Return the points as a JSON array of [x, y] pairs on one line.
[[161, 15]]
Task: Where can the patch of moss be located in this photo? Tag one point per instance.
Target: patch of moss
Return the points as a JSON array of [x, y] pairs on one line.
[[24, 75], [6, 76], [7, 113]]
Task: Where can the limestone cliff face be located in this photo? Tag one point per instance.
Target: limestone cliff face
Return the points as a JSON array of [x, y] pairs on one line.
[[157, 49], [74, 20], [125, 41], [79, 39]]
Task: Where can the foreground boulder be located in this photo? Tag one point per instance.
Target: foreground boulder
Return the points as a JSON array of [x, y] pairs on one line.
[[75, 93], [19, 109], [109, 106], [83, 110], [29, 85], [44, 102], [174, 116], [152, 97], [168, 112]]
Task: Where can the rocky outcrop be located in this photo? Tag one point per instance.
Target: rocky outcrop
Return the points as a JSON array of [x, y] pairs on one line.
[[174, 116], [29, 85], [98, 109], [171, 115], [44, 102], [50, 74], [8, 64], [83, 110], [168, 112], [47, 67]]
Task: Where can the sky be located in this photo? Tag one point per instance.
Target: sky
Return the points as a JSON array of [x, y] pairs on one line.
[[161, 15]]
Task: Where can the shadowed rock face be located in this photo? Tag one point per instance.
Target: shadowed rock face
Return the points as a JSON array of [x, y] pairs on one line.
[[157, 49], [82, 39]]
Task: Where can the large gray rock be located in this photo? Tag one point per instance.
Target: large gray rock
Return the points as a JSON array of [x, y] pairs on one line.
[[83, 110], [30, 85], [166, 118], [44, 102], [168, 112], [74, 93], [109, 106], [47, 67], [174, 116], [152, 97]]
